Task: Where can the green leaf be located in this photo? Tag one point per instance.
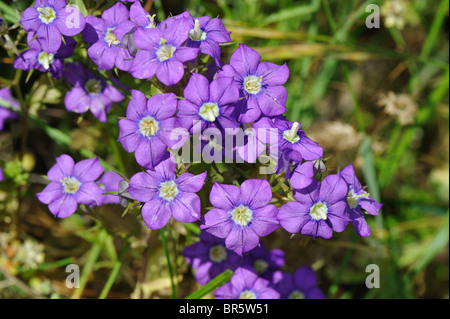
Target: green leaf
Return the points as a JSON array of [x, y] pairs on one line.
[[215, 283]]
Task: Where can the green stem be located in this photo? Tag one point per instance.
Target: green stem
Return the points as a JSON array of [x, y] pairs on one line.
[[115, 271], [94, 253], [169, 263]]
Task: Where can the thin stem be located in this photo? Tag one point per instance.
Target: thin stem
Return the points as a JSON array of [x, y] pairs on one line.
[[169, 263]]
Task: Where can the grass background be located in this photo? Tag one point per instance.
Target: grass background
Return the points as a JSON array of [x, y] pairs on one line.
[[339, 68]]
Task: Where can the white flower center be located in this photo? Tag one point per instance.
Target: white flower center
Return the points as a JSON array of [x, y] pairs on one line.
[[261, 266], [291, 135], [218, 253], [148, 126], [93, 86], [46, 14], [209, 111], [252, 84], [111, 38], [241, 215], [319, 211], [45, 59], [247, 294], [352, 199], [165, 51], [296, 294], [70, 185], [197, 34], [168, 190]]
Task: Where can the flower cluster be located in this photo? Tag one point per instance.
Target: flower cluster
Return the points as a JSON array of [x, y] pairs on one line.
[[194, 97]]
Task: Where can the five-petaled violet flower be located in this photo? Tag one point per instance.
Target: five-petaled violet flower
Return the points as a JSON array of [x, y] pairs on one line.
[[319, 209], [7, 113], [167, 196], [211, 104], [302, 284], [242, 215], [358, 200], [37, 58], [150, 127], [261, 83], [162, 51], [89, 92], [105, 34], [71, 184], [245, 284], [210, 257], [50, 19]]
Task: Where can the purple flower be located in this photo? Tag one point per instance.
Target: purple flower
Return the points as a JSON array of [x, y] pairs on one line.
[[266, 263], [300, 285], [71, 184], [109, 182], [259, 82], [162, 51], [37, 58], [149, 126], [2, 177], [245, 284], [206, 34], [357, 201], [209, 257], [167, 196], [211, 104], [242, 215], [6, 113], [141, 17], [318, 210], [51, 18], [105, 34], [89, 92]]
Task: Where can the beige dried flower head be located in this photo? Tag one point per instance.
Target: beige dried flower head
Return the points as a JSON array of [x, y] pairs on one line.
[[30, 254], [400, 106], [393, 12], [336, 135]]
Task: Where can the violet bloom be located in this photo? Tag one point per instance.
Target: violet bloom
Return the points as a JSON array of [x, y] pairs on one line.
[[2, 177], [357, 201], [149, 127], [71, 184], [141, 17], [7, 113], [206, 34], [318, 210], [89, 92], [105, 34], [37, 58], [109, 182], [209, 257], [300, 285], [245, 284], [50, 19], [259, 82], [211, 104], [162, 52], [167, 196], [242, 215], [266, 263]]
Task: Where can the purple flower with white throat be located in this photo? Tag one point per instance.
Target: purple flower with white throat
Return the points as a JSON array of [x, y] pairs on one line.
[[7, 113], [167, 196], [149, 127], [162, 52], [319, 209], [261, 83], [300, 285], [245, 284], [89, 92], [37, 58], [241, 215], [206, 34], [71, 184], [105, 34], [358, 200], [210, 257], [211, 104], [50, 19]]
